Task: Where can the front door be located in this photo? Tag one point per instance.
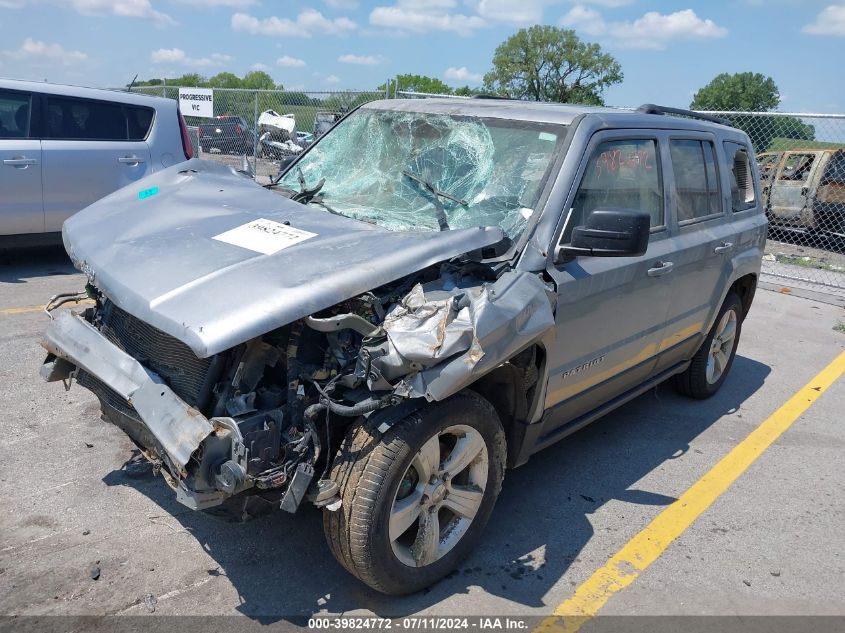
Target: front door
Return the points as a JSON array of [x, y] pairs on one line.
[[788, 197], [21, 205], [610, 310]]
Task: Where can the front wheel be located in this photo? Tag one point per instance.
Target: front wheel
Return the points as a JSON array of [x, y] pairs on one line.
[[713, 360], [416, 499]]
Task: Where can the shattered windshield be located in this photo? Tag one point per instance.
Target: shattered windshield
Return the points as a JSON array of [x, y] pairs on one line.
[[405, 170]]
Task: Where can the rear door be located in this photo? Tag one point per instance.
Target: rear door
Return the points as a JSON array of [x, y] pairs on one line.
[[21, 204], [704, 240], [610, 310], [788, 197], [91, 148]]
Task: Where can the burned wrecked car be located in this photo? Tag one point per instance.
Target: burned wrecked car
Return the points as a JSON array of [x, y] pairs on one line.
[[431, 292], [804, 190]]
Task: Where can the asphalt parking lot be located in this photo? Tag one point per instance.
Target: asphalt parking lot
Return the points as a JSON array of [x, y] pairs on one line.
[[772, 543]]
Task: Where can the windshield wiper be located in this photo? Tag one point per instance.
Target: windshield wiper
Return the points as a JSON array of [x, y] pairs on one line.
[[442, 220], [305, 195]]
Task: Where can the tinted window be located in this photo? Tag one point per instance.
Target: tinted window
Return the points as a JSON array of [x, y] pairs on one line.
[[82, 119], [139, 121], [742, 184], [15, 114], [694, 166], [621, 174]]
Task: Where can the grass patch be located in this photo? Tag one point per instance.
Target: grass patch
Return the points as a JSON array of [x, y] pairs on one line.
[[839, 327], [808, 262]]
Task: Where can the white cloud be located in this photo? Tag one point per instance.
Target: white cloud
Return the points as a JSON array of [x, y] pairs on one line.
[[462, 74], [38, 52], [177, 57], [234, 4], [525, 12], [421, 16], [829, 21], [121, 8], [290, 62], [308, 22], [259, 66], [651, 31], [362, 60], [342, 4], [332, 79]]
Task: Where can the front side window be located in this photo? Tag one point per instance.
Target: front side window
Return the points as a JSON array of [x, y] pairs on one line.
[[742, 184], [620, 174], [85, 120], [380, 166], [796, 167], [15, 114], [696, 180]]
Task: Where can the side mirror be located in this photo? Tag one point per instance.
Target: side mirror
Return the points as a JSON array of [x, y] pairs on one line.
[[609, 233]]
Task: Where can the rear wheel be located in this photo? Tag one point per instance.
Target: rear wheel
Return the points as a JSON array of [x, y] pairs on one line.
[[713, 360], [415, 500]]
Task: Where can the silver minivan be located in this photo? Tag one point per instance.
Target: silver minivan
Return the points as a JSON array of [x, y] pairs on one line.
[[64, 147]]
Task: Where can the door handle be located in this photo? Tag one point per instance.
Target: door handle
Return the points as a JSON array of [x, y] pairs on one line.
[[20, 162], [725, 247], [130, 160], [660, 269]]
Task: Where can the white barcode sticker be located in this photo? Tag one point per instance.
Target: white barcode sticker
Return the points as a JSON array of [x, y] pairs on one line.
[[264, 236]]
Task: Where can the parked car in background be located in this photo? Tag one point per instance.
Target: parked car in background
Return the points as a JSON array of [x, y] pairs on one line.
[[804, 190], [228, 135], [64, 147], [433, 291]]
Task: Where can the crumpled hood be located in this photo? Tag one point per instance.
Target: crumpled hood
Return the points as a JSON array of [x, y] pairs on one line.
[[151, 248]]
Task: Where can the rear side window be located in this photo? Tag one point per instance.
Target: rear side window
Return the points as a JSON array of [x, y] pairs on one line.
[[139, 121], [89, 120], [621, 174], [694, 166], [15, 114], [742, 184]]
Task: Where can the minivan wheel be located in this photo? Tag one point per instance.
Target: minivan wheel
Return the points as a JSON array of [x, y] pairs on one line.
[[713, 360], [416, 498]]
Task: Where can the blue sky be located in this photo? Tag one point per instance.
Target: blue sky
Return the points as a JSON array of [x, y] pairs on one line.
[[667, 50]]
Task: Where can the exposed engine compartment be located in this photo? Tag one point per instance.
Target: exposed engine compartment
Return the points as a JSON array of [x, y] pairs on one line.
[[279, 404]]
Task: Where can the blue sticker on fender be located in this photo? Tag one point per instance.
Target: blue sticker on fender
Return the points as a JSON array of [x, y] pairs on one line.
[[146, 193]]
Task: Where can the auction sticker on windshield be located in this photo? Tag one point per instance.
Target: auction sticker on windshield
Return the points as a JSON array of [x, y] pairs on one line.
[[264, 236]]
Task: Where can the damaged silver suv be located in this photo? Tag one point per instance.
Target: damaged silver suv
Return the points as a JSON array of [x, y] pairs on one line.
[[433, 291]]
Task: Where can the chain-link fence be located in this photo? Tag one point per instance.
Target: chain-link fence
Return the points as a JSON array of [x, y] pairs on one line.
[[801, 157], [802, 169]]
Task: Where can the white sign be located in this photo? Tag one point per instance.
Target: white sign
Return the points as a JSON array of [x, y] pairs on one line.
[[264, 236], [196, 102]]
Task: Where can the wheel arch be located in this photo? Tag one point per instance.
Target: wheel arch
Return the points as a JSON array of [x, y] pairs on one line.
[[515, 390]]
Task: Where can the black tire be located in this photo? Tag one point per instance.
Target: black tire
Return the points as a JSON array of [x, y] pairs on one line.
[[369, 468], [694, 382]]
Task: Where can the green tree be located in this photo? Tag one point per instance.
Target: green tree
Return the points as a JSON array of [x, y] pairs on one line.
[[547, 63], [259, 80], [418, 83], [467, 91], [748, 92], [225, 80]]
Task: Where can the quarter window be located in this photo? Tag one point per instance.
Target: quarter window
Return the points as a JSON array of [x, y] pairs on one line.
[[621, 174], [742, 184], [694, 166], [15, 114]]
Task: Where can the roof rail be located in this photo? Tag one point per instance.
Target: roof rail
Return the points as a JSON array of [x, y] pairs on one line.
[[485, 95], [650, 108]]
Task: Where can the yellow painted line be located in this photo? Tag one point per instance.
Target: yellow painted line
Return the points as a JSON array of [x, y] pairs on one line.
[[627, 564], [26, 309]]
